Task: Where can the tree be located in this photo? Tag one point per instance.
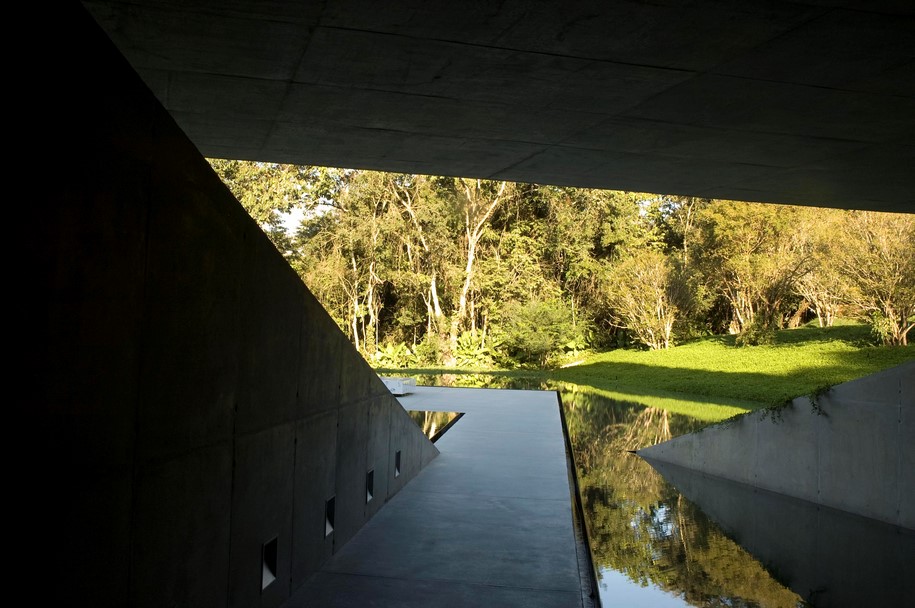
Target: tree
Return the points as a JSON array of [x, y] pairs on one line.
[[270, 192], [570, 234], [350, 239], [823, 286], [535, 329], [643, 293], [443, 268], [752, 255], [477, 200], [878, 259], [676, 218], [425, 243]]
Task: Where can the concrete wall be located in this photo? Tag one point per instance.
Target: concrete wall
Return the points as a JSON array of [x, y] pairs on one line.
[[828, 557], [195, 400], [856, 454]]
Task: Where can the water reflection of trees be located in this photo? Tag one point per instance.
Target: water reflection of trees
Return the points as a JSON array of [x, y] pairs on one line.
[[431, 422], [479, 380], [640, 525]]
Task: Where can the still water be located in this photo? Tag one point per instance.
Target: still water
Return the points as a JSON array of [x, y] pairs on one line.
[[715, 543]]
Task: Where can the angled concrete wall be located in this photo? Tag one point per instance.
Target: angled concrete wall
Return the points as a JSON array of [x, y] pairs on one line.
[[828, 557], [855, 452], [195, 400]]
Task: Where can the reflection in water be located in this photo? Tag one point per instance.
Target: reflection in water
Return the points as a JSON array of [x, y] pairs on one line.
[[434, 424], [641, 527], [652, 546], [829, 557]]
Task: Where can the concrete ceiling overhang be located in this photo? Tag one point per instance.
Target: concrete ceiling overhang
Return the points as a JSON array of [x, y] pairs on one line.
[[808, 102]]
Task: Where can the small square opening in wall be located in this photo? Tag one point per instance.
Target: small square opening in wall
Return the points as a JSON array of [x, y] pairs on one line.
[[268, 563], [329, 516], [369, 486], [397, 463]]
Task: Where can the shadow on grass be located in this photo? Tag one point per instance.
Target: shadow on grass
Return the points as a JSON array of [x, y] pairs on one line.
[[856, 335], [664, 386], [708, 408], [712, 394], [750, 389]]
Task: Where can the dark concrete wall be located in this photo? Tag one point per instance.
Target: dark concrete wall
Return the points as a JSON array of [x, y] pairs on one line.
[[809, 102], [198, 401]]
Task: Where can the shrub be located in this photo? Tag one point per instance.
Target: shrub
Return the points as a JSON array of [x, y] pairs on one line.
[[535, 330]]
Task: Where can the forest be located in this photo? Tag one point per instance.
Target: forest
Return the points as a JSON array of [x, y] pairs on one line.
[[441, 271]]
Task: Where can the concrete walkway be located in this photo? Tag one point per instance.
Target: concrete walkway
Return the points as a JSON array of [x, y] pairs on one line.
[[488, 523]]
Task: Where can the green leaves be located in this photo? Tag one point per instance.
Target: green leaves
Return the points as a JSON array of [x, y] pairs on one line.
[[536, 329], [483, 272]]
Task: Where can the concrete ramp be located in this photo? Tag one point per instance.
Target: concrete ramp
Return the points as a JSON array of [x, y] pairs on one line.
[[490, 522], [851, 448]]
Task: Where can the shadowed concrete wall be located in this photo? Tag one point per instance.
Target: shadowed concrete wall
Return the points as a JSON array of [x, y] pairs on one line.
[[198, 400], [856, 453], [828, 557], [809, 102]]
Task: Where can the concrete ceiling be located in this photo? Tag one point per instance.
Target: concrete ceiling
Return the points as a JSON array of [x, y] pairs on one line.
[[809, 102]]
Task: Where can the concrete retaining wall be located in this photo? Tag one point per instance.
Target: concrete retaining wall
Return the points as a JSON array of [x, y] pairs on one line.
[[855, 452], [828, 557], [195, 400]]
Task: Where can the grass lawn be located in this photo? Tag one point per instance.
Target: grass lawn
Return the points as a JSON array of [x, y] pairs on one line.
[[712, 379]]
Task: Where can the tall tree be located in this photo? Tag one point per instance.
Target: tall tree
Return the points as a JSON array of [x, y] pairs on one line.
[[477, 200], [426, 240], [442, 269], [824, 286], [752, 255], [355, 230], [878, 258], [644, 294], [270, 192]]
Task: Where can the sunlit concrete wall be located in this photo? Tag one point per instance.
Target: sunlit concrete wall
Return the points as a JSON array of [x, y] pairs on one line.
[[195, 399], [854, 451]]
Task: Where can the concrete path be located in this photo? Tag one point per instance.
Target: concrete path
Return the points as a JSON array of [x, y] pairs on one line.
[[487, 523]]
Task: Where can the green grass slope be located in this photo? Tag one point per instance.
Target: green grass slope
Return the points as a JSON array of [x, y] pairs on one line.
[[713, 379], [799, 362]]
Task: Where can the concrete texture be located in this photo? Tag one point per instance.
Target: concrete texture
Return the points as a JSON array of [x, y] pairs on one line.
[[828, 557], [180, 532], [807, 102], [194, 399], [488, 523], [165, 336], [853, 452]]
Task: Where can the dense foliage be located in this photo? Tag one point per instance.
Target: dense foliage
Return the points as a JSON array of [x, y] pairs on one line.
[[423, 270]]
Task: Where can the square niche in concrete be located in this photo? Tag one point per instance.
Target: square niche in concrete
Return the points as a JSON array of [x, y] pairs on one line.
[[329, 516], [268, 563]]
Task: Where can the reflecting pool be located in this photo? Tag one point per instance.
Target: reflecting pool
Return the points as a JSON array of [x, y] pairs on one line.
[[715, 543], [434, 424]]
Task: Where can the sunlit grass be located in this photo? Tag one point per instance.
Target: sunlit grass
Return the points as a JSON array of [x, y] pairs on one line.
[[799, 362], [702, 408], [711, 378]]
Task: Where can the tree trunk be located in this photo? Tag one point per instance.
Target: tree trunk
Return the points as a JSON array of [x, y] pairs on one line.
[[476, 214]]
